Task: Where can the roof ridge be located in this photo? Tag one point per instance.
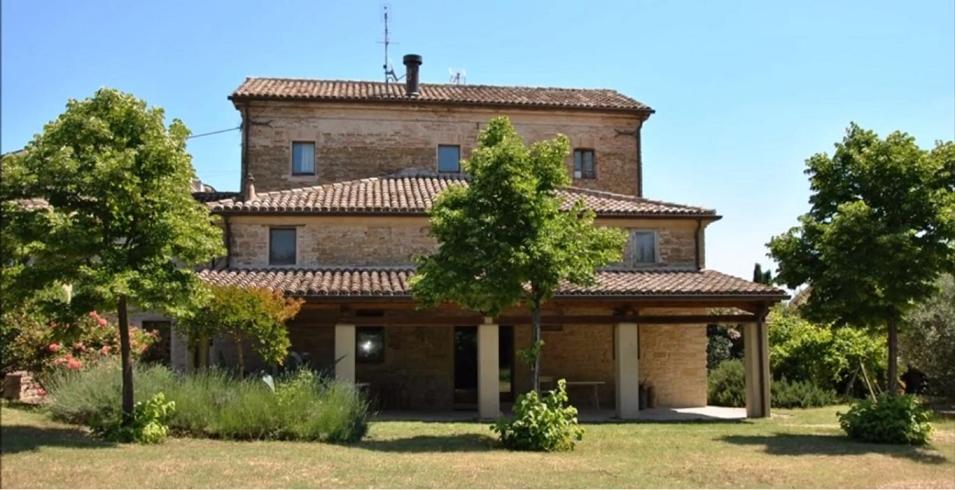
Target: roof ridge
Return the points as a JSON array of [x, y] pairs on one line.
[[472, 85]]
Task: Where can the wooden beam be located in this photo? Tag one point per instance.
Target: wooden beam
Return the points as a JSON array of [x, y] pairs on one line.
[[425, 319]]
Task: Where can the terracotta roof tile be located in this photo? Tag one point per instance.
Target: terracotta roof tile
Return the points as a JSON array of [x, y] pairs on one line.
[[485, 95], [415, 195], [385, 281]]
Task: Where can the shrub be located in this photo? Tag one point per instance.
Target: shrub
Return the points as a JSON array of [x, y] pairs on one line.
[[303, 406], [43, 345], [829, 357], [545, 423], [801, 394], [928, 340], [899, 419], [726, 384], [148, 425]]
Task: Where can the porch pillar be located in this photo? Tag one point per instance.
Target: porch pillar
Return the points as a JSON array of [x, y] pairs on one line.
[[627, 370], [345, 352], [489, 391], [756, 368]]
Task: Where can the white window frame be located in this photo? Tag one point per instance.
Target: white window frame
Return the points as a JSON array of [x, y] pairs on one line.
[[633, 248], [291, 159]]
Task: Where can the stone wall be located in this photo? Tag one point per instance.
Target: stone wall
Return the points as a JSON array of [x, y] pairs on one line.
[[395, 241], [354, 141]]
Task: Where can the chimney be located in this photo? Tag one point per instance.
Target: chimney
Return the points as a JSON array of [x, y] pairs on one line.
[[412, 62], [248, 193]]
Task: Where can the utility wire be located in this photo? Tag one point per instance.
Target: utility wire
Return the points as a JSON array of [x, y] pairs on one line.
[[214, 132]]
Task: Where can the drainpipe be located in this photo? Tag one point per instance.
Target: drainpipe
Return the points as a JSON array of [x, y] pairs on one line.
[[636, 133], [228, 241], [696, 240], [245, 148]]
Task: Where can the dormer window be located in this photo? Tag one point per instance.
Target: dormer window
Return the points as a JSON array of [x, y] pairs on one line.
[[303, 158], [449, 159], [584, 166], [643, 247]]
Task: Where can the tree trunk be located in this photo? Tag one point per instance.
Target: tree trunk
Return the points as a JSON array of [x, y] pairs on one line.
[[127, 365], [893, 376], [240, 357], [203, 353], [536, 326]]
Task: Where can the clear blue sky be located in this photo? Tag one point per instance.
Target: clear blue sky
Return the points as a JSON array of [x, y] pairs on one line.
[[744, 91]]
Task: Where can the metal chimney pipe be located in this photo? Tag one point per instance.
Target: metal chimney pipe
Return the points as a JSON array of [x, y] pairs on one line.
[[412, 62]]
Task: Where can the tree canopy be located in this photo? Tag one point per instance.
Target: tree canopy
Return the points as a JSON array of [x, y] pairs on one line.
[[118, 222], [505, 239], [880, 230], [254, 314]]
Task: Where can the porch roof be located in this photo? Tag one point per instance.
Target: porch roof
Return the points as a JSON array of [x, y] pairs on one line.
[[393, 282], [415, 194]]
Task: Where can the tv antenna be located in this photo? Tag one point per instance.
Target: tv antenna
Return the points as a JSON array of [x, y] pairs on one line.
[[390, 75], [458, 76]]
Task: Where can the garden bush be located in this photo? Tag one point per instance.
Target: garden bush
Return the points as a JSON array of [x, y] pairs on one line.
[[302, 405], [727, 387], [545, 423], [726, 384], [899, 419], [801, 394], [148, 425]]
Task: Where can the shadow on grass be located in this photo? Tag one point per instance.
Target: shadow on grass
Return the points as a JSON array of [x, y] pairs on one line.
[[832, 445], [431, 444], [21, 438]]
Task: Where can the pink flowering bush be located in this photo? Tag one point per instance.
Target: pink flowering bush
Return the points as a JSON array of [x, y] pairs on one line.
[[42, 345]]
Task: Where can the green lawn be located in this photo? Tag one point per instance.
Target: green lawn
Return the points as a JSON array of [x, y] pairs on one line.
[[796, 448]]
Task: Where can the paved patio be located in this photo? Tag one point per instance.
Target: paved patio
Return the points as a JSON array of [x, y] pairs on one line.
[[708, 413]]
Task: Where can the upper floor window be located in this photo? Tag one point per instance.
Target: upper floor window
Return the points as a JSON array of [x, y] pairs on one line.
[[303, 158], [449, 158], [643, 247], [282, 246], [584, 166]]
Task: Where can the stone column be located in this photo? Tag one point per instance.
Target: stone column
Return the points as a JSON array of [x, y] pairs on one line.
[[489, 375], [345, 352], [627, 370], [756, 368]]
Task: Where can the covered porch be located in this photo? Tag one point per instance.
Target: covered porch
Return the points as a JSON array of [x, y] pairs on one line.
[[632, 347]]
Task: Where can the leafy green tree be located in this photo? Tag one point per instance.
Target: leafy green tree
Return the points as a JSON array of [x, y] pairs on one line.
[[254, 314], [879, 232], [120, 225], [760, 276], [505, 239], [928, 340]]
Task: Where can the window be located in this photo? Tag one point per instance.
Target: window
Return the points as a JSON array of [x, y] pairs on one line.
[[282, 246], [584, 167], [159, 352], [449, 158], [643, 247], [303, 158], [370, 344]]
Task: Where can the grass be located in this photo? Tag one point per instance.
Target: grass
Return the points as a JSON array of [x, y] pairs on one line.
[[796, 448]]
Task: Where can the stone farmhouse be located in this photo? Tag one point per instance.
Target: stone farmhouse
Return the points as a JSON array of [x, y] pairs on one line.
[[337, 180]]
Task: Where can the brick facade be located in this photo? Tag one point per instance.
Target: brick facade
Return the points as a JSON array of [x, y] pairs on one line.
[[395, 241], [354, 141]]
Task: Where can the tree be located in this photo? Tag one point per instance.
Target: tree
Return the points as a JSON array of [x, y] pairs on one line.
[[254, 314], [760, 276], [120, 224], [928, 341], [879, 232], [504, 239]]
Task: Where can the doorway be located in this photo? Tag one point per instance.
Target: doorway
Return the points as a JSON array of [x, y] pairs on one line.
[[466, 368]]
